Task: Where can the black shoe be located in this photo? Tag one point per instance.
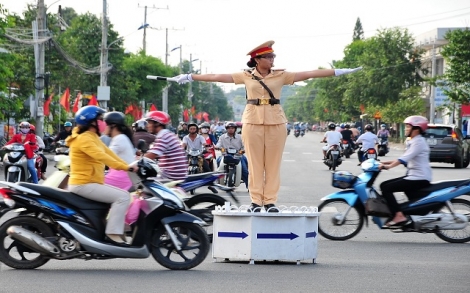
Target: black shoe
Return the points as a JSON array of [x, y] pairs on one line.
[[121, 244], [255, 208], [271, 208]]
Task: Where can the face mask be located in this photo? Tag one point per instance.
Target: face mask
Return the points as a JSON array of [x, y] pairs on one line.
[[204, 130], [24, 130]]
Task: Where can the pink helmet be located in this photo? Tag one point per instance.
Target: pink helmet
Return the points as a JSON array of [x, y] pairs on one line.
[[417, 121]]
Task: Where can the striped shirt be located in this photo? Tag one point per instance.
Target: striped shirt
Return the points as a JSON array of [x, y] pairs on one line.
[[171, 157]]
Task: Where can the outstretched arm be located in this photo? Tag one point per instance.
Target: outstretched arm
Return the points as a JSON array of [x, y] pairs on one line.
[[304, 75], [227, 78]]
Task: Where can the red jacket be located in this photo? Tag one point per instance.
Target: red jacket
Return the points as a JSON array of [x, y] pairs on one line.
[[29, 143]]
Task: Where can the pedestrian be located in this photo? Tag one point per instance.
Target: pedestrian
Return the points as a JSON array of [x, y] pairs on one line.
[[264, 131]]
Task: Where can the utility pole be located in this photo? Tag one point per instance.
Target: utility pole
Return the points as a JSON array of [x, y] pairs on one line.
[[432, 98], [144, 42], [41, 29], [103, 91]]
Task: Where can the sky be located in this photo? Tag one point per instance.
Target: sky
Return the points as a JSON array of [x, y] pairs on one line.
[[219, 33]]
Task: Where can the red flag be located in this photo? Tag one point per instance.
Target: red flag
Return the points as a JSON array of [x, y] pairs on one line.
[[362, 108], [153, 108], [198, 116], [137, 112], [76, 105], [186, 115], [46, 105], [93, 101], [205, 116], [64, 100], [193, 110], [129, 109]]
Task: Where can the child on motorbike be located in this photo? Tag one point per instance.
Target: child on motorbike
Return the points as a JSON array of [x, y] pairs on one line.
[[418, 175], [28, 139]]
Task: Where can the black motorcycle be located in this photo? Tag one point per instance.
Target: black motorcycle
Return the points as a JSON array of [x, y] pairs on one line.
[[56, 224], [382, 147], [333, 157], [296, 132], [48, 142]]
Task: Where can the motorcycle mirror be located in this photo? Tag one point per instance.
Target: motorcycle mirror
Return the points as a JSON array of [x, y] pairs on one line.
[[141, 145]]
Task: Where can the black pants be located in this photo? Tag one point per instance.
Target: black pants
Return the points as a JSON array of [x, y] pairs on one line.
[[400, 184], [360, 156], [44, 163]]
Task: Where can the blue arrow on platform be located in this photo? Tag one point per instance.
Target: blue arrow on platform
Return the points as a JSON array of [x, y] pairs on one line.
[[241, 235], [276, 236], [311, 234]]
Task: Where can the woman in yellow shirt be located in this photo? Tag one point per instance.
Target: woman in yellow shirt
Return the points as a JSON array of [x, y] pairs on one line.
[[89, 156], [264, 122]]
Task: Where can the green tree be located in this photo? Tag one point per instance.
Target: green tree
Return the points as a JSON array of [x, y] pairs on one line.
[[457, 75], [358, 33]]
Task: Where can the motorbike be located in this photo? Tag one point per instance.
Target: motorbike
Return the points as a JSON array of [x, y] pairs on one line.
[[333, 157], [302, 133], [48, 140], [56, 224], [231, 166], [296, 132], [439, 210], [218, 134], [62, 148], [382, 146], [16, 165], [195, 161], [347, 150]]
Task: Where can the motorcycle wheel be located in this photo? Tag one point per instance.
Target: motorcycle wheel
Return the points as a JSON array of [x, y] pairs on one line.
[[347, 153], [231, 177], [14, 177], [202, 205], [381, 152], [194, 246], [330, 225], [16, 255], [461, 206], [333, 163]]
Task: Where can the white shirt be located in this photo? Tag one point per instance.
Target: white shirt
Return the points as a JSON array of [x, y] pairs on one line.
[[198, 143], [40, 142], [333, 137], [416, 159], [122, 146], [368, 141]]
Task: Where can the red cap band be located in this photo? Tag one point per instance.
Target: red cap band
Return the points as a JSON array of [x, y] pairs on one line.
[[261, 51]]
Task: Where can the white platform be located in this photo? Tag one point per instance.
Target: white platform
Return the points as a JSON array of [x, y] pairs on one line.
[[241, 235]]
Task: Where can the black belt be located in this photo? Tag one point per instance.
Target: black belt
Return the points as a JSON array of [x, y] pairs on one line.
[[267, 101]]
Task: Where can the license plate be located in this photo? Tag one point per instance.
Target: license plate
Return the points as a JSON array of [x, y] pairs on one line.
[[371, 156], [431, 141], [345, 145], [335, 152]]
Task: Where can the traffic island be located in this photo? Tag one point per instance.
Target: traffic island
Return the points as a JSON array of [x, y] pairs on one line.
[[290, 235]]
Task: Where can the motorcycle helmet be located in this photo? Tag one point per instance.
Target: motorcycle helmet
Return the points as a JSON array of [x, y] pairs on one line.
[[382, 126], [88, 114], [158, 116], [331, 126], [368, 127], [193, 124], [230, 124], [25, 127], [32, 128], [347, 126], [342, 126], [114, 117], [68, 124], [140, 124], [417, 122], [205, 125]]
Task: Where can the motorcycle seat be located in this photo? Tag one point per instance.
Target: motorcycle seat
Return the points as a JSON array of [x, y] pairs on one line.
[[194, 177], [65, 196], [420, 193]]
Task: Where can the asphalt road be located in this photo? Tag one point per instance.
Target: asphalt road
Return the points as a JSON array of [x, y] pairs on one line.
[[375, 260]]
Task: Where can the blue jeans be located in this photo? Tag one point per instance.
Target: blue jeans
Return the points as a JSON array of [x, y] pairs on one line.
[[32, 170], [244, 163]]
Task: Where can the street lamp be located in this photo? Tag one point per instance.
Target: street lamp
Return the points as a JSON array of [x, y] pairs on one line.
[[181, 56]]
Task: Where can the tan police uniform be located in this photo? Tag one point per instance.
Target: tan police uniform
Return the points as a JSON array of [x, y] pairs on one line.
[[264, 133]]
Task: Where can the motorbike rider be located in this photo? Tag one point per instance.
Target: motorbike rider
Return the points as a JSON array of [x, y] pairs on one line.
[[88, 157], [183, 131], [418, 175], [141, 132], [220, 127], [195, 141], [210, 141], [231, 140], [368, 140], [64, 133], [331, 137], [166, 148], [41, 146], [348, 135], [28, 139], [121, 144]]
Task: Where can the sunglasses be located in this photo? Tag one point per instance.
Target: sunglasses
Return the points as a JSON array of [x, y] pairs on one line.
[[268, 56]]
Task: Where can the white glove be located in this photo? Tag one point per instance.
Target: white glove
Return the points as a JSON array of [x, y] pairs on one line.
[[339, 72], [183, 78]]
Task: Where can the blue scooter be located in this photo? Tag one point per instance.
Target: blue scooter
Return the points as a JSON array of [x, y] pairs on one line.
[[437, 211]]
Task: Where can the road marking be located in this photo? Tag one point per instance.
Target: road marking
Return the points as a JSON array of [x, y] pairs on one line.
[[289, 160]]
